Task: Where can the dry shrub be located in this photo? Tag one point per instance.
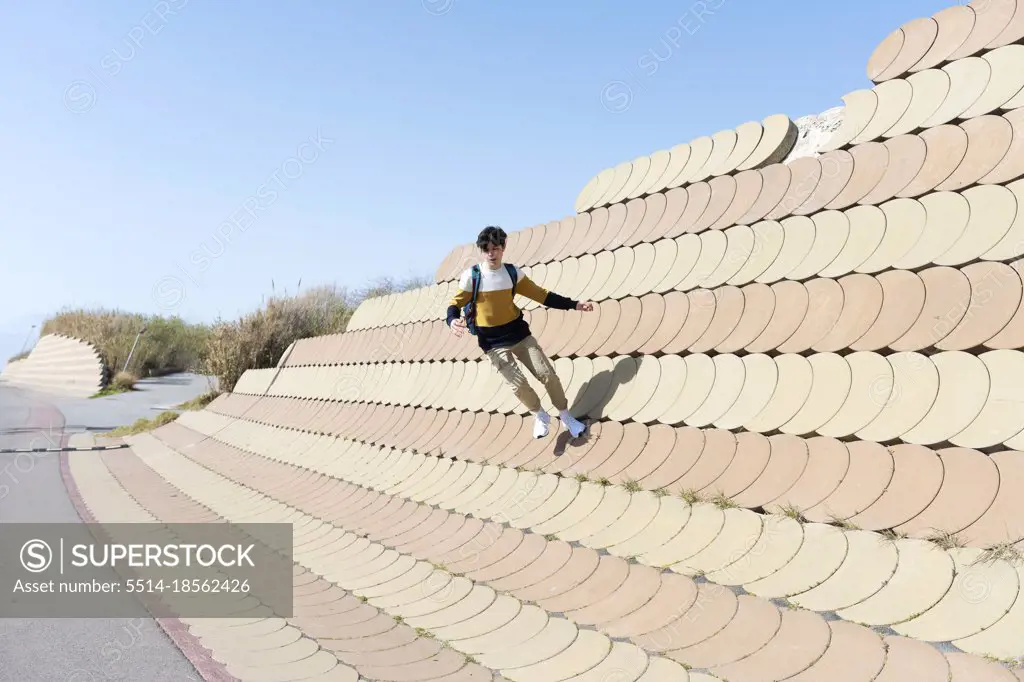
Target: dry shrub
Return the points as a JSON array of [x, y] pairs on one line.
[[169, 345], [124, 381]]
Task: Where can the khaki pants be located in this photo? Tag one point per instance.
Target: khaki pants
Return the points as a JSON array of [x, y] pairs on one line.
[[530, 354]]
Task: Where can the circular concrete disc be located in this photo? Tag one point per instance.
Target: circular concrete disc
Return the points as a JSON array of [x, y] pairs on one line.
[[730, 373], [931, 88], [641, 166], [988, 141], [654, 210], [947, 297], [675, 204], [723, 191], [677, 309], [665, 254], [893, 101], [758, 307], [652, 310], [659, 164], [729, 307], [825, 305], [946, 147], [760, 381], [915, 385], [748, 188], [643, 261], [739, 246], [993, 209], [831, 381], [613, 231], [700, 152], [712, 251], [748, 137], [955, 25], [679, 155], [870, 161], [885, 53], [947, 216], [622, 263], [805, 176], [1012, 166], [791, 392], [1001, 418], [777, 140], [918, 37], [775, 181], [862, 302], [635, 210], [577, 228], [629, 316], [907, 154], [700, 376], [968, 79], [827, 463], [831, 230], [867, 228], [670, 384], [1006, 81], [870, 387], [963, 391], [723, 145], [836, 171], [969, 486], [1013, 32], [593, 190], [991, 18], [618, 182], [699, 196], [768, 237], [791, 301], [798, 238], [909, 219], [916, 480], [702, 310], [859, 110], [903, 298]]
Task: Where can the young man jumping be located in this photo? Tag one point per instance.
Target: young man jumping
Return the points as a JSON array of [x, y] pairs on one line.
[[503, 333]]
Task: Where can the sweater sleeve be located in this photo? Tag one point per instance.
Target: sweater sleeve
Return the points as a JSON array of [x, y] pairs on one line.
[[462, 296], [530, 289]]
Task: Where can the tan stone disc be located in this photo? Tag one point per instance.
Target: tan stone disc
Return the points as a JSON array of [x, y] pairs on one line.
[[903, 298], [775, 181], [893, 101], [946, 146], [860, 108], [931, 88], [968, 78], [955, 25], [885, 53], [991, 19], [918, 37], [988, 141], [748, 188], [870, 161], [907, 155]]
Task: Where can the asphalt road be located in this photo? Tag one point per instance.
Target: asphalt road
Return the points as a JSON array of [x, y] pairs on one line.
[[32, 491]]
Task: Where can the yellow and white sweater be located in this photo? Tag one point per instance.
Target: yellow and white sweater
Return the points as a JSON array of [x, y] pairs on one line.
[[500, 323]]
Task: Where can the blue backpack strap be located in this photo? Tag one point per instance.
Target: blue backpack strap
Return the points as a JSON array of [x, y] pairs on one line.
[[469, 310], [511, 269]]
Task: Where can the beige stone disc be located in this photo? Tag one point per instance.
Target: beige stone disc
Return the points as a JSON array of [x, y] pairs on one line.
[[831, 230], [947, 298], [791, 301], [791, 393], [761, 376], [955, 24], [1001, 418], [946, 146], [993, 209], [947, 215], [968, 79], [908, 219], [659, 164], [870, 388], [913, 392], [738, 249], [1006, 81], [870, 161], [867, 228], [678, 157], [777, 140], [758, 307], [862, 302], [907, 154], [748, 188], [991, 19], [700, 152], [885, 53], [1012, 165], [903, 298], [931, 87], [836, 171], [775, 180], [963, 390], [799, 235], [988, 140], [893, 101], [748, 136], [768, 237], [723, 145], [860, 109], [830, 386], [641, 166], [918, 37]]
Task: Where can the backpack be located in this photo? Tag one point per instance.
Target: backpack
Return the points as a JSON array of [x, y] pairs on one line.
[[469, 310]]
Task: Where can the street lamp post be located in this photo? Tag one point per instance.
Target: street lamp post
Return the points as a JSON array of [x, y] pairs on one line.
[[132, 351]]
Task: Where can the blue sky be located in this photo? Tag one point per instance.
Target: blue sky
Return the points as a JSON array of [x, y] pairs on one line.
[[134, 131]]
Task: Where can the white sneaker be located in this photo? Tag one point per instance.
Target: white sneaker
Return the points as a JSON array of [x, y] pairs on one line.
[[575, 426], [540, 425]]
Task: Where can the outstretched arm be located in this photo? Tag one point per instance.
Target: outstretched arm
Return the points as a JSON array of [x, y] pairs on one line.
[[530, 289]]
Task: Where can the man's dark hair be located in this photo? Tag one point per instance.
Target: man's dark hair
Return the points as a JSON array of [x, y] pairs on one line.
[[489, 236]]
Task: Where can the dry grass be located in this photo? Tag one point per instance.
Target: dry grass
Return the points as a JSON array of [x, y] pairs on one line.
[[19, 356], [226, 348], [143, 425]]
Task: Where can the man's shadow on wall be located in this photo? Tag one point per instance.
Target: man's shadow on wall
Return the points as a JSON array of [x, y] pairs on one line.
[[588, 406]]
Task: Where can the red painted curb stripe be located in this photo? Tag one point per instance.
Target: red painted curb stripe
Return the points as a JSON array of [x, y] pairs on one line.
[[199, 656]]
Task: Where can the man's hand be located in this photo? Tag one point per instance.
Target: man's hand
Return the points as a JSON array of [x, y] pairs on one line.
[[458, 326], [585, 306]]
